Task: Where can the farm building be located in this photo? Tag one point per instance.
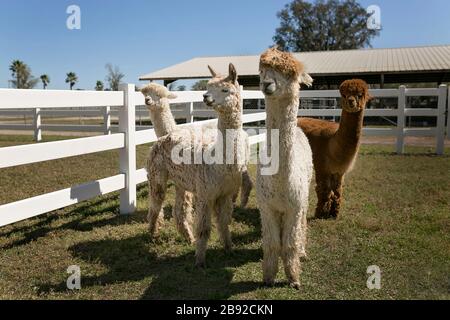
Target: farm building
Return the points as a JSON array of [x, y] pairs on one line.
[[379, 67]]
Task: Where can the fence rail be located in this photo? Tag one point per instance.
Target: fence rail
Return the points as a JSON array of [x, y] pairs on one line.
[[39, 101]]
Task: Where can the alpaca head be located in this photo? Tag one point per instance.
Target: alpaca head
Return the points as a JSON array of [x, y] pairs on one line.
[[156, 96], [223, 93], [355, 95], [281, 74]]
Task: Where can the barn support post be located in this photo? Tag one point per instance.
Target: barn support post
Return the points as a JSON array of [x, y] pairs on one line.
[[401, 119], [127, 155], [448, 114], [37, 124], [440, 127]]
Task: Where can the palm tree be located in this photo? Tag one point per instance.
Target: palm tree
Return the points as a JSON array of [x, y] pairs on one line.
[[22, 75], [99, 86], [45, 80], [71, 79]]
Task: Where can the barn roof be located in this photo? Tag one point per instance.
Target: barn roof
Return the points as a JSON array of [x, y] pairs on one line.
[[322, 63]]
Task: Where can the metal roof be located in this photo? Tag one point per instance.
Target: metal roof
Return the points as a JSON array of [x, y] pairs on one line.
[[416, 59]]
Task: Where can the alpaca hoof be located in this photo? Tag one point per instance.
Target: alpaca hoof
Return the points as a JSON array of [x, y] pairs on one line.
[[303, 257], [295, 285], [269, 283], [228, 247]]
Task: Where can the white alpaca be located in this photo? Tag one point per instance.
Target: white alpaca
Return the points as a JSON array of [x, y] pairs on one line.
[[212, 184], [157, 101], [283, 196]]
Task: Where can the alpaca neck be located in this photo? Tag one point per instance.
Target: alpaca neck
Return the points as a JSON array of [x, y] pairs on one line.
[[162, 121], [282, 115], [350, 129], [231, 122]]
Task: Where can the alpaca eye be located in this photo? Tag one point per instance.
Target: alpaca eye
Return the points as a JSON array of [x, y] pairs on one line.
[[225, 90]]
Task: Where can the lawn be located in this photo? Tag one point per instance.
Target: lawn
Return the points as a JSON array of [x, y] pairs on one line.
[[396, 215]]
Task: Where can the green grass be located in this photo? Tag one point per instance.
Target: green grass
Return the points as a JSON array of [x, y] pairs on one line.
[[396, 215]]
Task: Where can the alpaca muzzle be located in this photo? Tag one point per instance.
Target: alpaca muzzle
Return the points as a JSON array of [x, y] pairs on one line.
[[269, 87], [208, 100], [148, 101]]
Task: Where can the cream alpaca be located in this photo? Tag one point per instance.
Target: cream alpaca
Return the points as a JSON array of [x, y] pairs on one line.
[[157, 101], [283, 197], [212, 184]]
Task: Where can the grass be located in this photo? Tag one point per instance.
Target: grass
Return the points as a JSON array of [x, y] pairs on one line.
[[396, 215]]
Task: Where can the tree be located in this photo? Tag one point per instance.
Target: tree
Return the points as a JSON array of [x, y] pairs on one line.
[[199, 85], [323, 25], [71, 79], [175, 87], [113, 77], [22, 75], [99, 86], [45, 80]]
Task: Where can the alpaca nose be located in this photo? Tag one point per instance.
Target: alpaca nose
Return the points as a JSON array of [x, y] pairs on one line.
[[269, 87], [207, 98], [148, 100]]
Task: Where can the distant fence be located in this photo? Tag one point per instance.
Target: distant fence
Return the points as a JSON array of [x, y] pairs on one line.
[[127, 138], [188, 114]]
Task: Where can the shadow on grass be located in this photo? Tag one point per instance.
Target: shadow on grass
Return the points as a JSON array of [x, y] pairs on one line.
[[77, 219], [169, 277]]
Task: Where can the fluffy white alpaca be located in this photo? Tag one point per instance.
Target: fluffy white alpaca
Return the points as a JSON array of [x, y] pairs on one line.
[[212, 184], [283, 196], [157, 102]]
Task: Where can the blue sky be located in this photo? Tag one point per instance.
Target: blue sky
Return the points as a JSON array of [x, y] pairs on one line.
[[142, 36]]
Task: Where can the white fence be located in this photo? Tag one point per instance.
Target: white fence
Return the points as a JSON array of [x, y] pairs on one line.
[[128, 138]]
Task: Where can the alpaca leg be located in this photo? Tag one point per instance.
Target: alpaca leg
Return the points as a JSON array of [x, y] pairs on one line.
[[202, 230], [291, 246], [182, 213], [246, 188], [304, 235], [337, 182], [156, 195], [324, 196], [271, 243], [224, 211]]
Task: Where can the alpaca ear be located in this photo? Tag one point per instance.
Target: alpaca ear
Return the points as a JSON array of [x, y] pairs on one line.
[[213, 73], [306, 79], [172, 95], [232, 73]]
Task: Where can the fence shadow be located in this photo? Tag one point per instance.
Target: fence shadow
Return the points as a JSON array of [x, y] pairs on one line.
[[78, 216], [169, 277]]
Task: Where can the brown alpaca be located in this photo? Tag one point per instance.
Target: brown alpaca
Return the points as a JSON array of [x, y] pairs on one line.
[[335, 146]]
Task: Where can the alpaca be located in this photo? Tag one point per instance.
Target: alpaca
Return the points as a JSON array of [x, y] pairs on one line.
[[157, 102], [213, 185], [335, 146], [283, 196]]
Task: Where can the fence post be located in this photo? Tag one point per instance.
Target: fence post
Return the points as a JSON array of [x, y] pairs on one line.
[[190, 112], [440, 127], [107, 120], [127, 155], [448, 115], [401, 119], [37, 124]]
